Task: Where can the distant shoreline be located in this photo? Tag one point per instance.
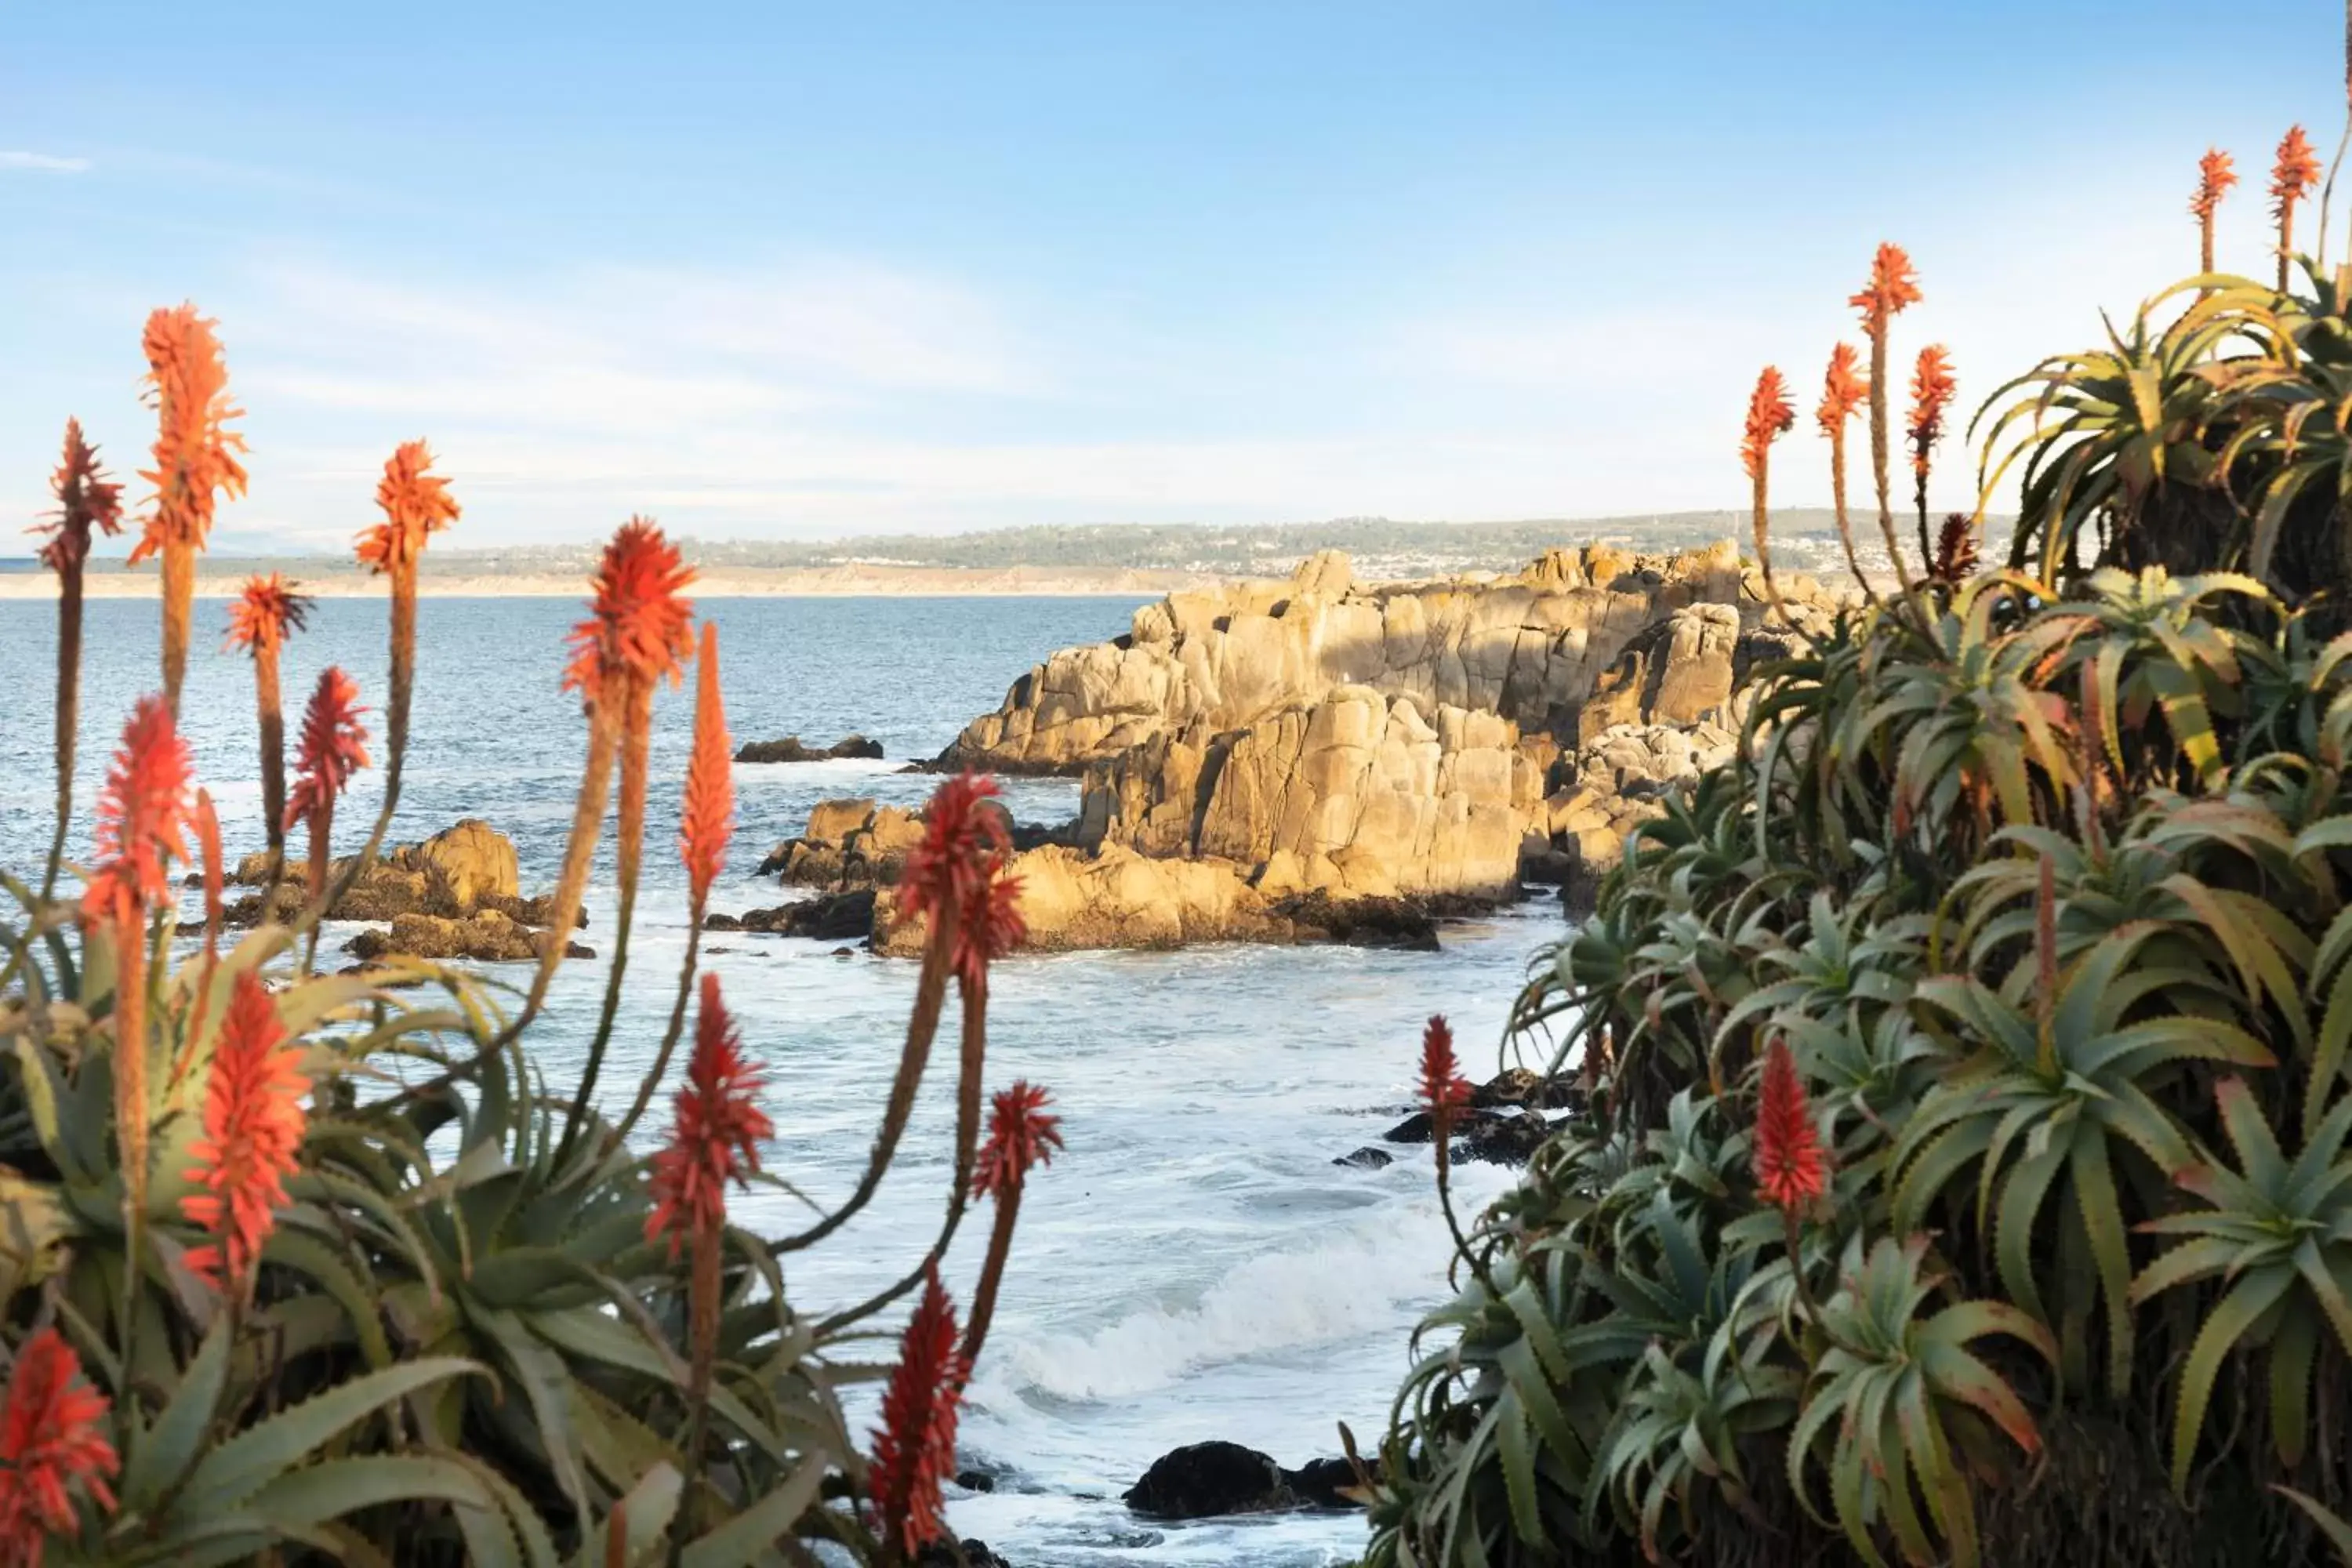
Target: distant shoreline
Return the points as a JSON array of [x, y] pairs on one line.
[[726, 583]]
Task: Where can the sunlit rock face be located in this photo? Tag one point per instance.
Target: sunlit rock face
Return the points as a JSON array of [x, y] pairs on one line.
[[1375, 740]]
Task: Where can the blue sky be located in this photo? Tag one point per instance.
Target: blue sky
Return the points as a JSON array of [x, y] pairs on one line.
[[771, 269]]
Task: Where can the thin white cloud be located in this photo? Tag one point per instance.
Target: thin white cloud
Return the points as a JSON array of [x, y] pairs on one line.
[[46, 162]]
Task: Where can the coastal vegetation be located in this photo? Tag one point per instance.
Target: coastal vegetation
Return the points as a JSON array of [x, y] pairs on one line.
[[307, 1267], [1380, 546], [1965, 1168]]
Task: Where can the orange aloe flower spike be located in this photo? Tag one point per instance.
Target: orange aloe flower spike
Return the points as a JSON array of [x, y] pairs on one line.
[[707, 818], [416, 505], [252, 1139], [640, 625], [53, 1443]]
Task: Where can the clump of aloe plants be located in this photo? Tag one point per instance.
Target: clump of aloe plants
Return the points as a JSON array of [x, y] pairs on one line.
[[305, 1267], [1965, 1175]]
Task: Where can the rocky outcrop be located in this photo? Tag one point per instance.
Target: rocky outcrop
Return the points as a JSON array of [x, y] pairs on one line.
[[1316, 735], [791, 750], [1071, 900], [455, 895], [1359, 794], [486, 937], [847, 844]]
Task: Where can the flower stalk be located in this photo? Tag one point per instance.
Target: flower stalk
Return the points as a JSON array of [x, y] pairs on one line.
[[1843, 393], [706, 824], [2214, 178], [715, 1138], [195, 461], [88, 503], [1769, 417], [141, 814], [1892, 289], [1933, 387], [2292, 178], [1019, 1136], [333, 749], [639, 635], [258, 621]]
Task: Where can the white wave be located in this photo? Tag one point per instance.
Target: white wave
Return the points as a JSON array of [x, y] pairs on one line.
[[1370, 1278]]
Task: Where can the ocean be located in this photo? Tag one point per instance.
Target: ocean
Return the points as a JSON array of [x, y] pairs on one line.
[[1193, 1266]]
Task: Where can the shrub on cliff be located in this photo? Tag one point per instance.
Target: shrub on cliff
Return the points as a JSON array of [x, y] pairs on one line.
[[298, 1267], [1968, 1177]]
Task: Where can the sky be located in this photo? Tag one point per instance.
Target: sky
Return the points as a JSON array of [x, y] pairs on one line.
[[783, 270]]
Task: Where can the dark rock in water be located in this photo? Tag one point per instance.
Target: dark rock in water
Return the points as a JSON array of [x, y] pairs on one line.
[[1359, 923], [715, 951], [791, 750], [958, 1554], [1201, 1481], [973, 1480], [721, 923], [1413, 1128], [829, 917], [1367, 1159], [1549, 867], [1319, 1482], [1499, 1140], [844, 953], [1506, 1136], [1515, 1086]]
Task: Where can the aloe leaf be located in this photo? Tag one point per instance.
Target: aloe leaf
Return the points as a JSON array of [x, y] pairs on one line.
[[733, 1542], [238, 1467], [162, 1454]]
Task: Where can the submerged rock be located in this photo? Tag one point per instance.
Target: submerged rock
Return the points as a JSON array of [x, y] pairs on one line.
[[828, 917], [791, 750], [1204, 1480], [1201, 1481], [1367, 1159]]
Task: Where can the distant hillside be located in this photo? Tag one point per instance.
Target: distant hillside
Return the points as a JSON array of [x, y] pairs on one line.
[[1381, 548]]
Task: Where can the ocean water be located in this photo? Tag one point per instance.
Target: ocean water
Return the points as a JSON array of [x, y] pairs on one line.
[[1193, 1266]]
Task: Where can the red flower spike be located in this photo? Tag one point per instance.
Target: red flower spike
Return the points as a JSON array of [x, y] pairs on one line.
[[717, 1132], [141, 815], [640, 630], [1933, 386], [253, 1135], [187, 382], [1843, 391], [416, 505], [85, 501], [333, 747], [914, 1448], [1020, 1135], [1445, 1092], [957, 866], [2214, 178], [1892, 286], [1789, 1168], [1769, 418], [52, 1442], [708, 819], [262, 614]]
